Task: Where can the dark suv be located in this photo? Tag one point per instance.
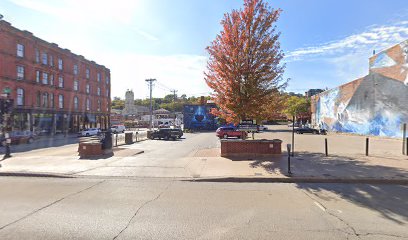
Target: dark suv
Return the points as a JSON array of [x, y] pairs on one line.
[[165, 133]]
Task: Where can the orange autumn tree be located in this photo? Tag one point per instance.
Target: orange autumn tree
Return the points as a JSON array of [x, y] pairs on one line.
[[244, 68]]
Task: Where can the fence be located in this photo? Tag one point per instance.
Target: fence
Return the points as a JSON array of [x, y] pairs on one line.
[[119, 138]]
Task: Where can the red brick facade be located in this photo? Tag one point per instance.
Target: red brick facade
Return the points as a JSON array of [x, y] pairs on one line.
[[231, 148], [53, 89]]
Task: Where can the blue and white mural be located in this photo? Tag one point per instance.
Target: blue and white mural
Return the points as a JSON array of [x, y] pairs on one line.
[[374, 105], [198, 117]]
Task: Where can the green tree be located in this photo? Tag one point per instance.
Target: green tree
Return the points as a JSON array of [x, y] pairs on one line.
[[296, 106]]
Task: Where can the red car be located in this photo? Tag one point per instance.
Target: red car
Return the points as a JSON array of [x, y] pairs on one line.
[[226, 132]]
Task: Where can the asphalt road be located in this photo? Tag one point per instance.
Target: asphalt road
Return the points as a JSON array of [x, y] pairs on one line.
[[147, 208]]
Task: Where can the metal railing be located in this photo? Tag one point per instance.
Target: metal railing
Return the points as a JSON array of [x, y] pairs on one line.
[[119, 138]]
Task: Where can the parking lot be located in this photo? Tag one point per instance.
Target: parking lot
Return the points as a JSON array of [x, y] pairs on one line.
[[339, 144]]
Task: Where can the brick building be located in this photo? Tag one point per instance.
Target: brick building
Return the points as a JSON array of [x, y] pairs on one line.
[[54, 90]]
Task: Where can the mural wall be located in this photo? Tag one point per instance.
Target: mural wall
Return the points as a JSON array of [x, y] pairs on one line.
[[376, 104], [198, 117]]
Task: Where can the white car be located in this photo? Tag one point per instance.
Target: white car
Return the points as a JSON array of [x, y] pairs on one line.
[[90, 132], [118, 128], [262, 128]]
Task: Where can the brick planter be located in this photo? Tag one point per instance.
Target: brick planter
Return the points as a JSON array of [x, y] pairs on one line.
[[90, 149], [237, 148]]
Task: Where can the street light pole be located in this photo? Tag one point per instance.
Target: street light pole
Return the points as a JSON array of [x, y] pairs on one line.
[[150, 81]]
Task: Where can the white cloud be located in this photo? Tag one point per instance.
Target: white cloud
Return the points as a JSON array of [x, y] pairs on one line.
[[184, 73], [375, 37]]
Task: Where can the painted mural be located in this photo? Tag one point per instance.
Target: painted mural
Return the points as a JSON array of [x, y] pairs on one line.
[[376, 104], [198, 117]]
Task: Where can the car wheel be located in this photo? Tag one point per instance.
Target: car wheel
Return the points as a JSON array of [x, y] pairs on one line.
[[166, 138], [87, 134], [30, 140], [225, 136], [123, 131]]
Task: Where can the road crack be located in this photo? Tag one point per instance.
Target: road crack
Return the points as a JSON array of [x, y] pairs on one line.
[[140, 208], [326, 210], [51, 204]]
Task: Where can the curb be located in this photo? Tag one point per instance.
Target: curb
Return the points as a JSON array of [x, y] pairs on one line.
[[39, 175], [303, 180], [234, 179]]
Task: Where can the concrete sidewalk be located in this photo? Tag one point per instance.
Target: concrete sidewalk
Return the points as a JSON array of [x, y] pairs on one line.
[[346, 162], [207, 165]]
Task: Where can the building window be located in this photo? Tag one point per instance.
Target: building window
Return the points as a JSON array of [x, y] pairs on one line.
[[99, 105], [52, 79], [99, 91], [37, 56], [98, 77], [60, 82], [37, 76], [38, 99], [88, 88], [61, 101], [20, 50], [76, 103], [44, 58], [76, 85], [20, 72], [51, 61], [88, 104], [76, 69], [51, 100], [107, 92], [20, 97], [87, 73], [45, 100], [59, 63], [45, 78], [107, 79]]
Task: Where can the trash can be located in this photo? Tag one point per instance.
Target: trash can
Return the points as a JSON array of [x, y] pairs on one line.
[[107, 140], [128, 138]]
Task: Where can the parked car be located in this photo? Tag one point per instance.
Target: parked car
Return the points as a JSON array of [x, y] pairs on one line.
[[308, 130], [90, 132], [296, 124], [165, 133], [226, 132], [178, 132], [262, 128], [118, 128], [18, 137]]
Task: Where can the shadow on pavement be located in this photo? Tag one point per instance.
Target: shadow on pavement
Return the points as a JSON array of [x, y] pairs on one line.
[[389, 200]]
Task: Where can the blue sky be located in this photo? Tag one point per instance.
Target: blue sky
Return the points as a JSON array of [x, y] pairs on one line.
[[326, 42]]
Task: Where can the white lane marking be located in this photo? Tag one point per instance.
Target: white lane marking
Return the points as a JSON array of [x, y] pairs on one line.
[[320, 206]]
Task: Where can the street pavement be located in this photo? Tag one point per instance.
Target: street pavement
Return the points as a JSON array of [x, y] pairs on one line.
[[162, 208], [184, 190], [197, 156]]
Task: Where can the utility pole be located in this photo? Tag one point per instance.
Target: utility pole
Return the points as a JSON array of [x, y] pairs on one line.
[[175, 98], [150, 81]]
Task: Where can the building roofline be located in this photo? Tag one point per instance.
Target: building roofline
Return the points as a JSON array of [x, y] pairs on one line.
[[386, 49], [50, 44]]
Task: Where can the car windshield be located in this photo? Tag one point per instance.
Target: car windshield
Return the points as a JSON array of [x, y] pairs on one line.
[[189, 119]]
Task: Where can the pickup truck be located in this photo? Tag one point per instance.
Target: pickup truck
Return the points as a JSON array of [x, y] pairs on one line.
[[165, 133]]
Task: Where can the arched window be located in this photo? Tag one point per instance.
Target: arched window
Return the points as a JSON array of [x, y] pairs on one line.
[[88, 104], [45, 100], [38, 99], [76, 103], [20, 97]]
